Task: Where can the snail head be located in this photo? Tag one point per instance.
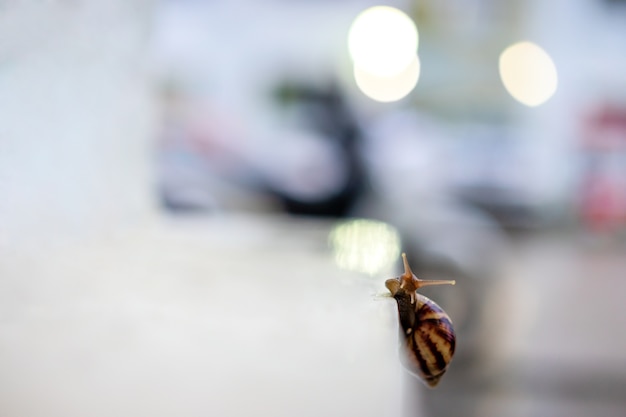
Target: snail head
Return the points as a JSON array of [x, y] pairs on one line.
[[409, 283]]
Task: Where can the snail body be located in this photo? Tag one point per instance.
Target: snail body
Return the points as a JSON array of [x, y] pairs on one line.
[[427, 335]]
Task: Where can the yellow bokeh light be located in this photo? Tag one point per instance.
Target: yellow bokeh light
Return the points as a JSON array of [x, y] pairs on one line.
[[387, 89], [382, 41], [528, 73], [366, 246]]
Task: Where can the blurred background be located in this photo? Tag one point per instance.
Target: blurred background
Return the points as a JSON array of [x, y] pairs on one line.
[[153, 150]]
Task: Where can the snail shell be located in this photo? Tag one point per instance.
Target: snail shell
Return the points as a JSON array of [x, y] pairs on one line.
[[427, 333]]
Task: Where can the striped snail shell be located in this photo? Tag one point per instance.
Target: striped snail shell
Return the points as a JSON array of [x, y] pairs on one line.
[[427, 335]]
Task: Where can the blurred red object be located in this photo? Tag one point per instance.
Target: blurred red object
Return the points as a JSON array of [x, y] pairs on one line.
[[603, 193]]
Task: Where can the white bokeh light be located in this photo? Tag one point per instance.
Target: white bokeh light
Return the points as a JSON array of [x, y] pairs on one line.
[[388, 89], [382, 41], [528, 73]]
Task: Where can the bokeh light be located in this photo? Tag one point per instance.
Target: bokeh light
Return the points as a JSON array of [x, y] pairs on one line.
[[387, 89], [528, 73], [366, 246], [382, 41]]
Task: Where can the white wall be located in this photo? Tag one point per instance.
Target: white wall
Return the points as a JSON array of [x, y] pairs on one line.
[[76, 114]]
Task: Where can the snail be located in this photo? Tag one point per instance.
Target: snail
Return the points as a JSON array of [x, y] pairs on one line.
[[427, 335]]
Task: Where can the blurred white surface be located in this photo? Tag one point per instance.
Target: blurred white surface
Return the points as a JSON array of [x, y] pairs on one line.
[[76, 113], [226, 317]]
